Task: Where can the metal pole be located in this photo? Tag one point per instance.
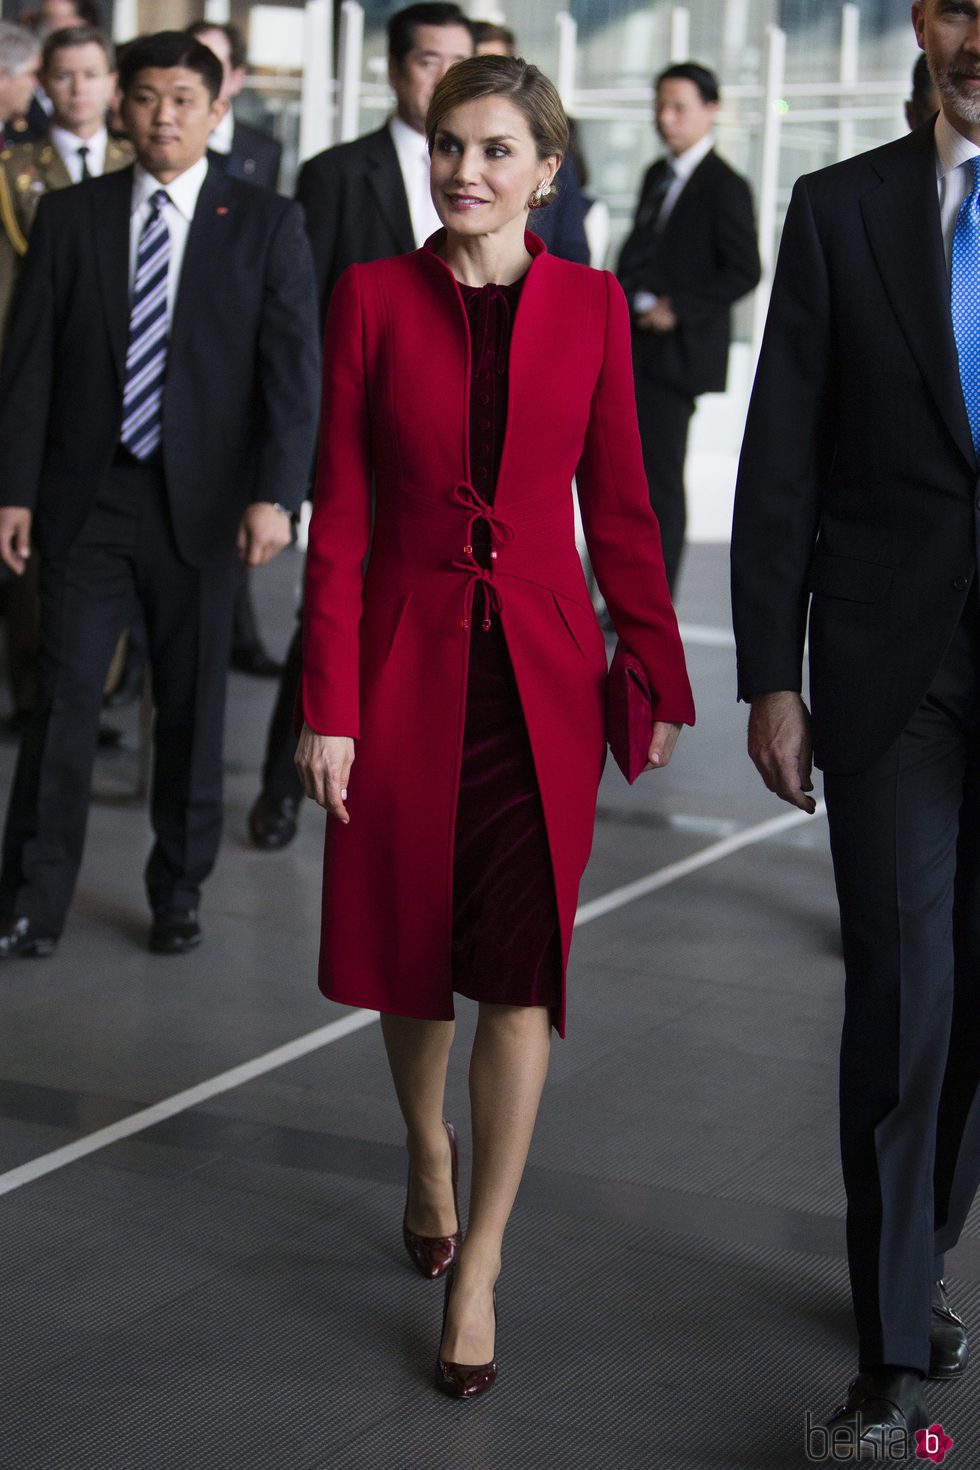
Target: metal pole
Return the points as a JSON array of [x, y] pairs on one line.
[[680, 33], [125, 20], [351, 53], [218, 12], [772, 121], [567, 46], [850, 44], [316, 111]]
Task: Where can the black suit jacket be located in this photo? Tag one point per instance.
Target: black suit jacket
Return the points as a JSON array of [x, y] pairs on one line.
[[356, 207], [858, 482], [704, 259], [254, 156], [243, 376]]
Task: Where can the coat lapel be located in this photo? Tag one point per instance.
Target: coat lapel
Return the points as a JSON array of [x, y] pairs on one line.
[[110, 202], [901, 216], [385, 180]]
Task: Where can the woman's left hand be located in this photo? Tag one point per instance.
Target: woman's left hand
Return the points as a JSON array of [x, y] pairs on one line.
[[662, 745]]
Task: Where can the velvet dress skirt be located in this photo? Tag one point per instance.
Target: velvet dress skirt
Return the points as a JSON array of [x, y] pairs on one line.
[[506, 946]]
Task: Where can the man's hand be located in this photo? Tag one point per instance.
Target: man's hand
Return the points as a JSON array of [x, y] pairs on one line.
[[15, 537], [323, 763], [662, 745], [659, 318], [779, 744], [263, 533]]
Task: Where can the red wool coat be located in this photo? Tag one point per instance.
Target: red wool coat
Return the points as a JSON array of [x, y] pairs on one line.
[[386, 650]]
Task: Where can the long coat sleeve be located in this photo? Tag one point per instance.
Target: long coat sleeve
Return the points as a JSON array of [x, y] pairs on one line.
[[386, 648]]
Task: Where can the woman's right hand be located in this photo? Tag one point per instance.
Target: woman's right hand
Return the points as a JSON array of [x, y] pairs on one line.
[[323, 763]]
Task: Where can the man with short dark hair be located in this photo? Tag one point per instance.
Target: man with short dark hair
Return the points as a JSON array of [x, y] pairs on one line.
[[492, 39], [370, 198], [245, 152], [691, 255], [857, 520], [158, 406], [78, 75]]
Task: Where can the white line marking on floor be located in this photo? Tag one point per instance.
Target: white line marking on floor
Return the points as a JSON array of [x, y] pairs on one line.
[[280, 1056], [703, 859]]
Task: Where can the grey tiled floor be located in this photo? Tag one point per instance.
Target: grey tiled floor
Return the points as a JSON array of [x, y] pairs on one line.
[[227, 1289]]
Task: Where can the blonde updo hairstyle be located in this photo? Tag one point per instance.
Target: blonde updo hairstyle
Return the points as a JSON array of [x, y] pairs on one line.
[[524, 85]]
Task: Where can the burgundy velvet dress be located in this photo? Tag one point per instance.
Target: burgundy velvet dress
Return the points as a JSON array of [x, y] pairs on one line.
[[506, 939]]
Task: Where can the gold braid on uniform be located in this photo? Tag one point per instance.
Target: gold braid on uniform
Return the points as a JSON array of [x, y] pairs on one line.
[[7, 217]]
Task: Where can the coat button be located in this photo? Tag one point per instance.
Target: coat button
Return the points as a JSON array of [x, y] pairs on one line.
[[960, 584], [468, 550], [464, 622]]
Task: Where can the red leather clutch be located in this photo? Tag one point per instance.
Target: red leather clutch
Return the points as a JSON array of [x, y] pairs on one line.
[[629, 713]]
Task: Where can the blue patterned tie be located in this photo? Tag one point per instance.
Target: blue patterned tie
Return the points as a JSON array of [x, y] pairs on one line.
[[146, 352], [965, 300]]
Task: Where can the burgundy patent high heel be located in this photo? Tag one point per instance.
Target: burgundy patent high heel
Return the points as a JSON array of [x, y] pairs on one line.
[[432, 1255], [464, 1380]]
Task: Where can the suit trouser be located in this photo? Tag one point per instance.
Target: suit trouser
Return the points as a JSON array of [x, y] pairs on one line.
[[279, 776], [664, 416], [905, 836], [124, 559]]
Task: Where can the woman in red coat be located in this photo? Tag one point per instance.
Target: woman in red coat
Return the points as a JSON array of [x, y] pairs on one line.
[[469, 382]]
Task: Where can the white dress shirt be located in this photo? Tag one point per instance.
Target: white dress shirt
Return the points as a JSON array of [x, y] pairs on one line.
[[414, 162], [955, 177], [67, 145], [682, 166], [183, 193], [223, 136]]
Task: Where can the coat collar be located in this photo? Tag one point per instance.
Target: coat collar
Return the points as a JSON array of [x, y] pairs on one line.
[[901, 217]]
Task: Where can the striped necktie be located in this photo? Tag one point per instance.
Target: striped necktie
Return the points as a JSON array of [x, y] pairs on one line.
[[965, 300], [146, 353]]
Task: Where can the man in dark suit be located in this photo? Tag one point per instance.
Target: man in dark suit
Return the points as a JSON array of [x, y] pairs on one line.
[[244, 152], [363, 201], [691, 255], [158, 403], [858, 502]]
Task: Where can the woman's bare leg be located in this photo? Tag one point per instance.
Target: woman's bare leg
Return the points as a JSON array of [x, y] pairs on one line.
[[418, 1055], [507, 1073]]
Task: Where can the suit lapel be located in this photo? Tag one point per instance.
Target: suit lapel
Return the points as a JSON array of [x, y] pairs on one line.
[[901, 216], [385, 180], [205, 249], [110, 206]]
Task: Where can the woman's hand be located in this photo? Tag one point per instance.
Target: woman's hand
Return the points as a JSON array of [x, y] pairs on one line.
[[662, 745], [323, 763]]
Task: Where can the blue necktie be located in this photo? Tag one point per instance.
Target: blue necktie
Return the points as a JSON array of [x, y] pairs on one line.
[[146, 352], [965, 300]]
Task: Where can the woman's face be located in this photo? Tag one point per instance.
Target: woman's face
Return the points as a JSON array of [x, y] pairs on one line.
[[485, 167]]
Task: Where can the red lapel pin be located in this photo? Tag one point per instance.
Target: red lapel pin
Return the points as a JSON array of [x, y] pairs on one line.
[[221, 209]]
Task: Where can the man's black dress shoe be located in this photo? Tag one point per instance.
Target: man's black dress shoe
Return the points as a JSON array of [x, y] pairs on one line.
[[949, 1349], [251, 658], [23, 939], [272, 822], [174, 931], [883, 1411]]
